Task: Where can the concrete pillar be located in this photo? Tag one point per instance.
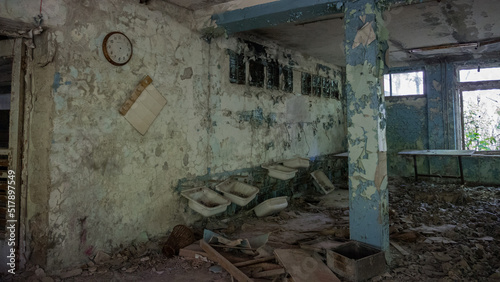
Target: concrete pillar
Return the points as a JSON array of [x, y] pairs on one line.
[[365, 47]]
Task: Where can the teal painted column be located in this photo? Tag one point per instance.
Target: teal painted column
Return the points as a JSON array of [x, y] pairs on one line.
[[365, 47]]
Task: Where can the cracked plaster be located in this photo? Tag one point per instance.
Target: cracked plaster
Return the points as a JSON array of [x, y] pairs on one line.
[[102, 183]]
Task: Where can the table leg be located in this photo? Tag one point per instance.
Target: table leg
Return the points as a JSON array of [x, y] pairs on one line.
[[415, 167], [461, 169]]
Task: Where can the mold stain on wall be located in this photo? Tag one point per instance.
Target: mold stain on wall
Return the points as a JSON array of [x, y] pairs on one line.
[[104, 184]]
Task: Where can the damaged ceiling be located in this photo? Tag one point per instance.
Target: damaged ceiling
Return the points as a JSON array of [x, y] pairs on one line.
[[426, 24], [448, 27]]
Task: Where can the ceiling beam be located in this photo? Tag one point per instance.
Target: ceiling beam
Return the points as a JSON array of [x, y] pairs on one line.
[[275, 13], [287, 11]]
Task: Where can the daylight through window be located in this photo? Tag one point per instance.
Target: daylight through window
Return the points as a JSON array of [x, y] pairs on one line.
[[481, 110], [402, 84]]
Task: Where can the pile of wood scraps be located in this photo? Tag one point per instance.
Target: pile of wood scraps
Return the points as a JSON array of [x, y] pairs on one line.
[[244, 259]]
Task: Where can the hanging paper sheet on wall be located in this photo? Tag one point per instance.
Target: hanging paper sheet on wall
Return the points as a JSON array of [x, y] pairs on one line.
[[143, 106]]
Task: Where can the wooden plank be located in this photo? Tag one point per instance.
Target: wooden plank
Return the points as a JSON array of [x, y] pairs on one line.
[[302, 267], [269, 273], [254, 261], [263, 266], [321, 246], [193, 249], [215, 256], [4, 152], [399, 248], [191, 253]]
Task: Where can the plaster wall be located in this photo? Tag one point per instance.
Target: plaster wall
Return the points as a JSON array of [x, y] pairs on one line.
[[251, 125], [406, 130], [432, 122], [94, 182]]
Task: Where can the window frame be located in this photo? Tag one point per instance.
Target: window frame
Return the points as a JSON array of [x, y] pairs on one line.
[[472, 86], [404, 70]]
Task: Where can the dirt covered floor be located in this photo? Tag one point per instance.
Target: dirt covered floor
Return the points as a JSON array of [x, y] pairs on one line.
[[438, 233], [447, 232]]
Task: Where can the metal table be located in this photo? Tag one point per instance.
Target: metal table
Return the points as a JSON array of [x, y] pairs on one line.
[[438, 153]]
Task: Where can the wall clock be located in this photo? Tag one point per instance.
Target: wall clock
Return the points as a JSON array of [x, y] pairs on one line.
[[117, 48]]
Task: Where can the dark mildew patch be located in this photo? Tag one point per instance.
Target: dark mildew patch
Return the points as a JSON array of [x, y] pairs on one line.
[[459, 18], [431, 19]]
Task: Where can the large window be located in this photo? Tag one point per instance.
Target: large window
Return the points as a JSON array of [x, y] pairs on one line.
[[480, 108], [478, 74], [403, 84]]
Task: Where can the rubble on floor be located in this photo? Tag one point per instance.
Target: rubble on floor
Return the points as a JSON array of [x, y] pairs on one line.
[[439, 232], [444, 232]]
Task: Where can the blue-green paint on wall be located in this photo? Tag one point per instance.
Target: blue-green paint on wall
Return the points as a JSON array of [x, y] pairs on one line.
[[274, 13], [406, 124], [257, 118], [406, 129], [436, 120], [368, 215], [57, 81]]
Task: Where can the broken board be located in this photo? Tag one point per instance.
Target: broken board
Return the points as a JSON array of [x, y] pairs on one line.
[[302, 267], [143, 106], [321, 245], [227, 265]]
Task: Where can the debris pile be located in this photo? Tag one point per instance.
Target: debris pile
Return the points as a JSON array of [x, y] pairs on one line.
[[438, 232], [444, 232]]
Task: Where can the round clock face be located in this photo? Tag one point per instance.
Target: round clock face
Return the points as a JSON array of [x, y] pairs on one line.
[[117, 48]]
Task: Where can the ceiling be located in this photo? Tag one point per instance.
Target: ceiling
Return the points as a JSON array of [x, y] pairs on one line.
[[443, 23]]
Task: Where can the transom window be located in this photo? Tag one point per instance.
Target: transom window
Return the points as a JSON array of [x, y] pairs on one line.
[[403, 84]]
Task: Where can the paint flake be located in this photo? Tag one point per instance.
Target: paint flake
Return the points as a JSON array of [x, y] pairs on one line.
[[364, 36]]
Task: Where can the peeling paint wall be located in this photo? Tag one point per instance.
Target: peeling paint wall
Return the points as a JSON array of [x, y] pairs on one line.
[[366, 118], [406, 129], [94, 182], [252, 125], [431, 122]]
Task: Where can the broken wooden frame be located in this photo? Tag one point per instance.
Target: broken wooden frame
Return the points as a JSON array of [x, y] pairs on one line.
[[227, 265], [15, 152]]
